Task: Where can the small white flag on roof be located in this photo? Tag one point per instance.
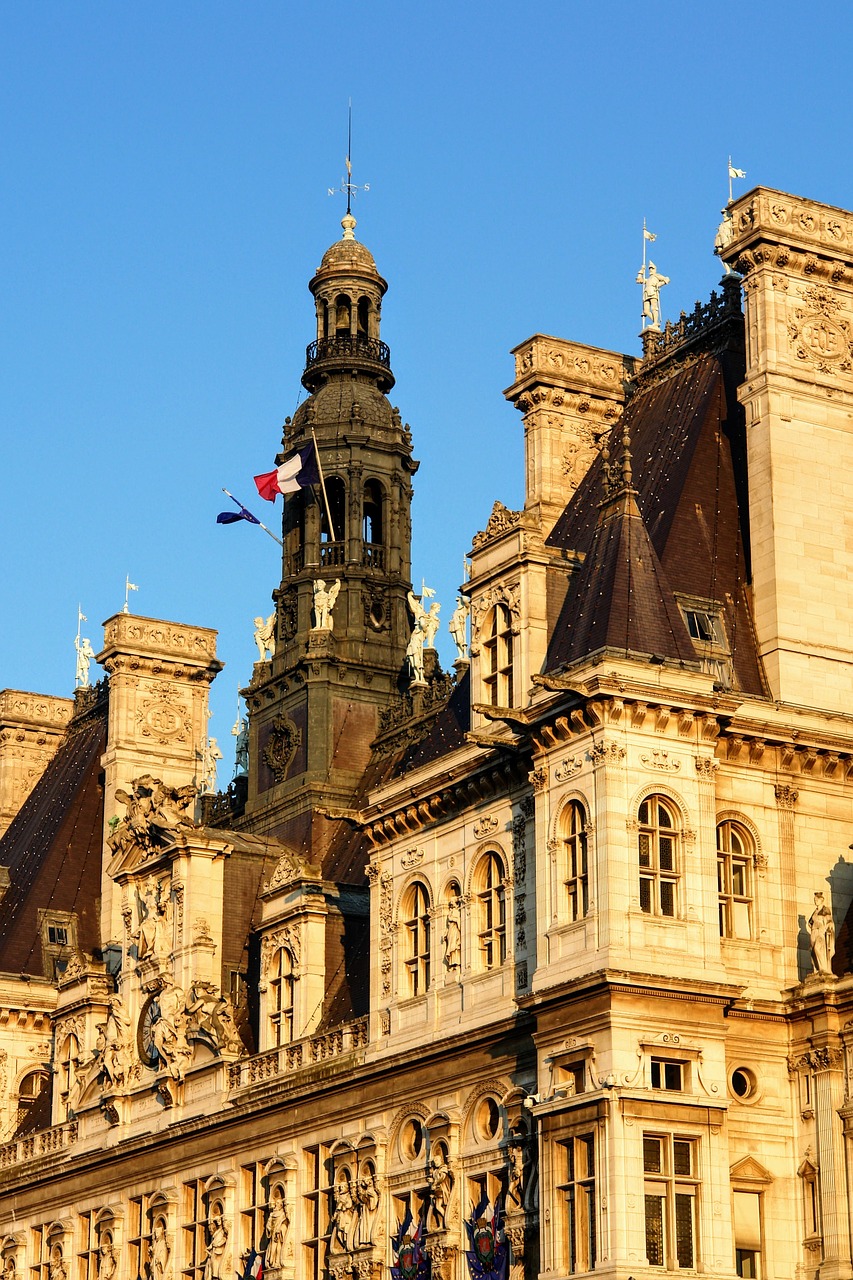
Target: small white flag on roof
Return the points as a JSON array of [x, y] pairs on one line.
[[649, 235], [736, 173]]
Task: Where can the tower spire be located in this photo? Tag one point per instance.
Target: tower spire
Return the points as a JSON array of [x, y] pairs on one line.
[[349, 188]]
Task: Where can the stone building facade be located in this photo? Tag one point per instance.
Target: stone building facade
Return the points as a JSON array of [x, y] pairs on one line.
[[562, 935]]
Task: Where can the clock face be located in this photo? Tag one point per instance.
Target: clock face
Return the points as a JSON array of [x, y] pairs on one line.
[[145, 1033]]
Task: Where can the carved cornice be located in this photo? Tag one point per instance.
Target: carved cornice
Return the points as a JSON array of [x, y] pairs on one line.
[[769, 223], [34, 710]]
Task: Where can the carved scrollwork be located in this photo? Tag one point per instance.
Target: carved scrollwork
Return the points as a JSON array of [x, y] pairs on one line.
[[284, 741]]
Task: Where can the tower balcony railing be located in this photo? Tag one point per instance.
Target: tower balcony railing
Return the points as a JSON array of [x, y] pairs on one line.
[[345, 345], [332, 554], [373, 555]]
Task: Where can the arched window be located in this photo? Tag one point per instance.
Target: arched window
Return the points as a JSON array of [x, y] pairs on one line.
[[371, 525], [33, 1103], [659, 857], [324, 320], [734, 880], [497, 648], [575, 869], [343, 313], [333, 538], [69, 1058], [281, 996], [416, 925], [491, 911], [363, 317]]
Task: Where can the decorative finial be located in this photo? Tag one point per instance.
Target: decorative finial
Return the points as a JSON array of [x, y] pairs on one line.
[[348, 187]]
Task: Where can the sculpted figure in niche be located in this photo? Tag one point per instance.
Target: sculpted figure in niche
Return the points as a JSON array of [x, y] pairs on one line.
[[278, 1229], [344, 1218], [169, 1032], [151, 936], [217, 1243], [324, 603], [57, 1264], [652, 284], [160, 1262], [458, 625], [265, 637], [822, 935], [515, 1161], [116, 1056], [441, 1185], [367, 1196], [10, 1267], [452, 938], [106, 1258]]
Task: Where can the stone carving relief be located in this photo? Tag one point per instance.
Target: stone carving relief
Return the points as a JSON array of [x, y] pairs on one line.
[[277, 1231], [153, 936], [501, 519], [287, 937], [568, 768], [156, 813], [411, 858], [280, 751], [485, 827], [163, 716], [660, 760], [374, 601], [288, 868], [160, 1252], [819, 334], [217, 1262]]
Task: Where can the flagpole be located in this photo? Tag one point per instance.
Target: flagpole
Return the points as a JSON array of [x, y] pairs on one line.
[[260, 522], [644, 246], [323, 486], [730, 179]]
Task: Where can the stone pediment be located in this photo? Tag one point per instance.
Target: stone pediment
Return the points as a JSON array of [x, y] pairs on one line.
[[749, 1170], [291, 866]]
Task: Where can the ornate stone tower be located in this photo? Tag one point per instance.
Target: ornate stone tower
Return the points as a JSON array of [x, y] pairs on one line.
[[314, 706]]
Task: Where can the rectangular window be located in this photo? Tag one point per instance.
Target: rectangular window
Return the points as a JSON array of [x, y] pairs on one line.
[[667, 1075], [747, 1231], [315, 1209], [138, 1236], [578, 1191], [671, 1193]]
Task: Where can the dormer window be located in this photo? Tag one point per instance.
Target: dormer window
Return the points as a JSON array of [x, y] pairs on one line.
[[706, 628], [498, 657]]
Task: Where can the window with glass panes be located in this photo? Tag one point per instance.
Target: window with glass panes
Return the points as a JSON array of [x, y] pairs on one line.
[[315, 1212], [671, 1193], [575, 860], [416, 926], [47, 1251], [578, 1191], [138, 1237], [88, 1253], [281, 996], [197, 1205], [253, 1202], [491, 910], [497, 650], [658, 848], [734, 880]]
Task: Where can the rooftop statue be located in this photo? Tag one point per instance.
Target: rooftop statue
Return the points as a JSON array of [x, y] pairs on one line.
[[822, 935], [265, 637], [85, 654], [458, 626], [652, 282]]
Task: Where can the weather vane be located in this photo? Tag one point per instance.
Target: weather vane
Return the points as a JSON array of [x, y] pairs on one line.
[[348, 187]]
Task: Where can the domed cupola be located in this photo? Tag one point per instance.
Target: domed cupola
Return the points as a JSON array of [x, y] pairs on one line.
[[348, 292]]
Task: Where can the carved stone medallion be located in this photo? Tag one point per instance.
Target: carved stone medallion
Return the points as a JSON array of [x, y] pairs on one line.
[[284, 741]]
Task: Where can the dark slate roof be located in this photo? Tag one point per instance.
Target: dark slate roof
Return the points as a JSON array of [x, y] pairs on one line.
[[622, 600], [52, 849], [689, 471]]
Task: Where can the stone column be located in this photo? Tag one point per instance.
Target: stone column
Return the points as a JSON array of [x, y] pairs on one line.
[[827, 1065]]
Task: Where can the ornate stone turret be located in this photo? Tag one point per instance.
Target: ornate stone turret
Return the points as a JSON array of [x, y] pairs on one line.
[[339, 649]]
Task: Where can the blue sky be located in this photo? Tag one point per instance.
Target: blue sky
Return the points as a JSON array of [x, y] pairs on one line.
[[164, 173]]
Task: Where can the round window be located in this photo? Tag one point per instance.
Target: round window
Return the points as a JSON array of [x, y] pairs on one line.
[[743, 1083], [412, 1139], [488, 1118]]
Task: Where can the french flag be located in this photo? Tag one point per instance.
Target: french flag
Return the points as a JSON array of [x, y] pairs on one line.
[[296, 473]]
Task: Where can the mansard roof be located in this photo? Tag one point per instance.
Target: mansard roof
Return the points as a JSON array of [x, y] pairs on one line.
[[52, 850], [691, 541]]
